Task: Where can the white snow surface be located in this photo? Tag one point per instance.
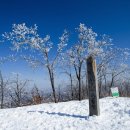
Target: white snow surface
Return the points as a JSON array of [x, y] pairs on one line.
[[73, 115]]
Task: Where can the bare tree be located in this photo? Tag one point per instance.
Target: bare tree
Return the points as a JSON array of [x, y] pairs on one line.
[[17, 91]]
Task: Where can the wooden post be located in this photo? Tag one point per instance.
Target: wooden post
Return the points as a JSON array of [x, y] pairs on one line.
[[93, 87]]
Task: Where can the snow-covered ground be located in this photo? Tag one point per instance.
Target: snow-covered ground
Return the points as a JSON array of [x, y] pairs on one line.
[[73, 115]]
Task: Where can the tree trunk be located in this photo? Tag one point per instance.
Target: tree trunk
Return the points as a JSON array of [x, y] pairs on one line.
[[80, 89], [79, 79], [112, 83], [78, 75], [71, 84], [105, 88], [51, 74], [54, 92]]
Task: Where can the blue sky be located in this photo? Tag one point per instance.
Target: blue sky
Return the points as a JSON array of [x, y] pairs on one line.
[[111, 17]]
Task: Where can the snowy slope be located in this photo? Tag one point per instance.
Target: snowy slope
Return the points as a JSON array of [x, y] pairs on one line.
[[115, 115]]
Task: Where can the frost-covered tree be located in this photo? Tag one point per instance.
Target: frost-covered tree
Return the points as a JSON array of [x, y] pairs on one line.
[[67, 69], [119, 64], [28, 39], [88, 44], [110, 59], [93, 44], [111, 65], [76, 59]]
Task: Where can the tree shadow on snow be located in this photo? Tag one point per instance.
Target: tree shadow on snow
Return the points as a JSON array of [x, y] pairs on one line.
[[62, 114], [67, 115]]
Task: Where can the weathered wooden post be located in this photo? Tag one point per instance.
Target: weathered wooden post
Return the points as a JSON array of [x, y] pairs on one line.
[[93, 87]]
